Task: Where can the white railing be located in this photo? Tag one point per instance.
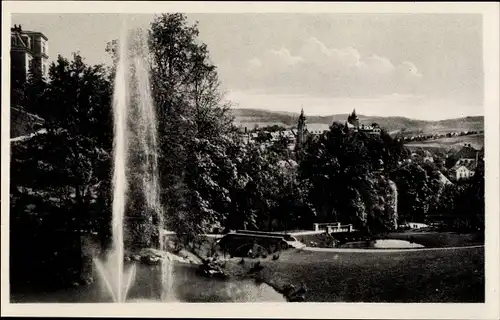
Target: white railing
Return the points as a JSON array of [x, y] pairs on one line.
[[333, 227]]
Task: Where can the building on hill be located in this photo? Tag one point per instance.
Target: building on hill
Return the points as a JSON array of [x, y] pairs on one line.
[[29, 50], [302, 133], [28, 54], [352, 125]]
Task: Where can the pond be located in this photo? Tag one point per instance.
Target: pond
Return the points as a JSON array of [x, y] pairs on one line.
[[188, 286], [381, 244]]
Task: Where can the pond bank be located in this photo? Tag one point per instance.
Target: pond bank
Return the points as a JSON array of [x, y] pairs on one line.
[[429, 239], [405, 276], [444, 271], [434, 239]]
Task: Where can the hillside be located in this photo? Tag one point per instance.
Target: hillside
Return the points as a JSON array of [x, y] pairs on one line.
[[405, 126], [445, 144]]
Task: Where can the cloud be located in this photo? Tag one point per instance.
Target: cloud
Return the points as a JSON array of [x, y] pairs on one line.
[[316, 69]]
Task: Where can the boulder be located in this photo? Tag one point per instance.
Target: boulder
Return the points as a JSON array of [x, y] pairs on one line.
[[297, 298]]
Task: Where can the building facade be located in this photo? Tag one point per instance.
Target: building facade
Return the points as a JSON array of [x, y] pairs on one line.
[[29, 51], [464, 169]]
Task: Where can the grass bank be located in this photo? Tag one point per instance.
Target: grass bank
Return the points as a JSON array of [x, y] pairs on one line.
[[455, 275], [434, 239], [418, 276], [429, 239]]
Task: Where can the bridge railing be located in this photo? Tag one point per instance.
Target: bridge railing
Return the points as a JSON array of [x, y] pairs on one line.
[[333, 227]]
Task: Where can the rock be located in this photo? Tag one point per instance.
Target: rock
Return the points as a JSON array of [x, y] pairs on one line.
[[151, 260], [256, 267], [297, 298], [300, 291], [189, 257], [288, 289]]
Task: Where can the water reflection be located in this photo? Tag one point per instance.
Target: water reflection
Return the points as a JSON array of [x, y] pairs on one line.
[[189, 287], [382, 244]]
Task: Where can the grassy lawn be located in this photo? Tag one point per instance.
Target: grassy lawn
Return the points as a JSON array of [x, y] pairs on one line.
[[419, 276], [435, 239], [430, 239]]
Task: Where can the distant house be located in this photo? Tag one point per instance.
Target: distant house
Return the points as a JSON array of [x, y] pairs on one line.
[[466, 165], [275, 136], [463, 169], [370, 129]]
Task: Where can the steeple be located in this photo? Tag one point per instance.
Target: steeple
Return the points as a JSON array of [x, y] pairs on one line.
[[301, 128], [353, 119], [302, 117]]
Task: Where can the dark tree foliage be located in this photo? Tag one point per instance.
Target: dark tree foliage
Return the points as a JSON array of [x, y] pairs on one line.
[[349, 176], [60, 176]]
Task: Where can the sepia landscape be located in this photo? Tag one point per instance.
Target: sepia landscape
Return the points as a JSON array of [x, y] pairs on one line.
[[246, 158]]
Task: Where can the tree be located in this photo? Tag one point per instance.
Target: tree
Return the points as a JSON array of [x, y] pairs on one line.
[[60, 176], [194, 126], [72, 156], [415, 192], [348, 176]]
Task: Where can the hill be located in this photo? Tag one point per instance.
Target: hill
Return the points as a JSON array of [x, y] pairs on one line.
[[445, 144], [401, 125]]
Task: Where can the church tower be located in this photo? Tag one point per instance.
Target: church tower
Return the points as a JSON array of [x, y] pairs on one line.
[[301, 129], [353, 119]]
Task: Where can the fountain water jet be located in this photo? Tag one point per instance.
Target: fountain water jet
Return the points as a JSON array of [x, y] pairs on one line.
[[134, 134], [394, 190]]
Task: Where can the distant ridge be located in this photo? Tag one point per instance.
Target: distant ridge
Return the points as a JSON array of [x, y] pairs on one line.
[[251, 117]]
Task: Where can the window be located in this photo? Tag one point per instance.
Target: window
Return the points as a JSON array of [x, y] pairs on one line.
[[44, 69], [43, 48], [27, 41]]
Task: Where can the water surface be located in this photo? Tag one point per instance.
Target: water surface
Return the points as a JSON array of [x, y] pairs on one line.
[[382, 244], [188, 286]]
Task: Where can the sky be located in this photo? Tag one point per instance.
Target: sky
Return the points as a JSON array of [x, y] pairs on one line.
[[422, 66]]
